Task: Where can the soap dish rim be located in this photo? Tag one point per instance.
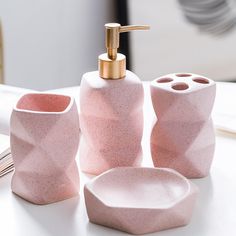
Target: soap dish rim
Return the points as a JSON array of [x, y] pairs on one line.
[[190, 188]]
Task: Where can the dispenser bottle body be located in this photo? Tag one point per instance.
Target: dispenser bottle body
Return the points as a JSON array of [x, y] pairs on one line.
[[183, 136], [111, 122]]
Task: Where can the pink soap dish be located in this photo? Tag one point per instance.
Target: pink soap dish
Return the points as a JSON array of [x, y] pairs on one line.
[[140, 200]]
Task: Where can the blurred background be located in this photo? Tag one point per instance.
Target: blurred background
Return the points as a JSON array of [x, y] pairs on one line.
[[50, 44]]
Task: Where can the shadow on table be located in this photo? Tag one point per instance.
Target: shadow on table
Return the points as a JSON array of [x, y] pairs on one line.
[[57, 219], [94, 229], [5, 181]]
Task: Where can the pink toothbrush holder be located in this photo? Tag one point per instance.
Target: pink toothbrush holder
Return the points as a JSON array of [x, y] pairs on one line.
[[44, 141], [183, 136]]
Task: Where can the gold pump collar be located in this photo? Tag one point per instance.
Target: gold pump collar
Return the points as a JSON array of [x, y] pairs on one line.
[[112, 65]]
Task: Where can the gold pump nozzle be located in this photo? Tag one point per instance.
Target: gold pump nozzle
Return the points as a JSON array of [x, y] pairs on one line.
[[112, 65]]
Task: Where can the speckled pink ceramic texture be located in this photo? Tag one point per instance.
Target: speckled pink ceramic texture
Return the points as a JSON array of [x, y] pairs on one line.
[[111, 122], [140, 200], [183, 137], [44, 142]]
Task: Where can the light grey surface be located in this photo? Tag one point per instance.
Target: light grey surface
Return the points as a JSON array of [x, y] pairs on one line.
[[214, 213], [50, 44]]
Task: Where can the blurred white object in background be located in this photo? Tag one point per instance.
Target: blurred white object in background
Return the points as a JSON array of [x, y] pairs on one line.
[[8, 97], [175, 45], [224, 112], [50, 44]]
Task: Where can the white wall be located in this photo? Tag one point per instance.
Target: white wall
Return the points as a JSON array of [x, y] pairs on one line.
[[51, 43], [173, 45]]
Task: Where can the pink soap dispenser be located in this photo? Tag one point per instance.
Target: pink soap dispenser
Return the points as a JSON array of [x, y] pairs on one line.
[[111, 104]]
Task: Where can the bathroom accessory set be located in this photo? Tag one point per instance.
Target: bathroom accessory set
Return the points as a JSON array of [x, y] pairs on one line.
[[45, 136]]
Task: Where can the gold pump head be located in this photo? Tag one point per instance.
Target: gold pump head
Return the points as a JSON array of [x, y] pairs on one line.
[[112, 65]]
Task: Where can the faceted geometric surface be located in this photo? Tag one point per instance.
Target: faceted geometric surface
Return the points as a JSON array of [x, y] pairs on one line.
[[44, 142], [111, 122], [140, 200], [183, 136]]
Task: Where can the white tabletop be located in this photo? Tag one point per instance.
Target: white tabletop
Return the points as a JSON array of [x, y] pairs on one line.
[[214, 215]]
